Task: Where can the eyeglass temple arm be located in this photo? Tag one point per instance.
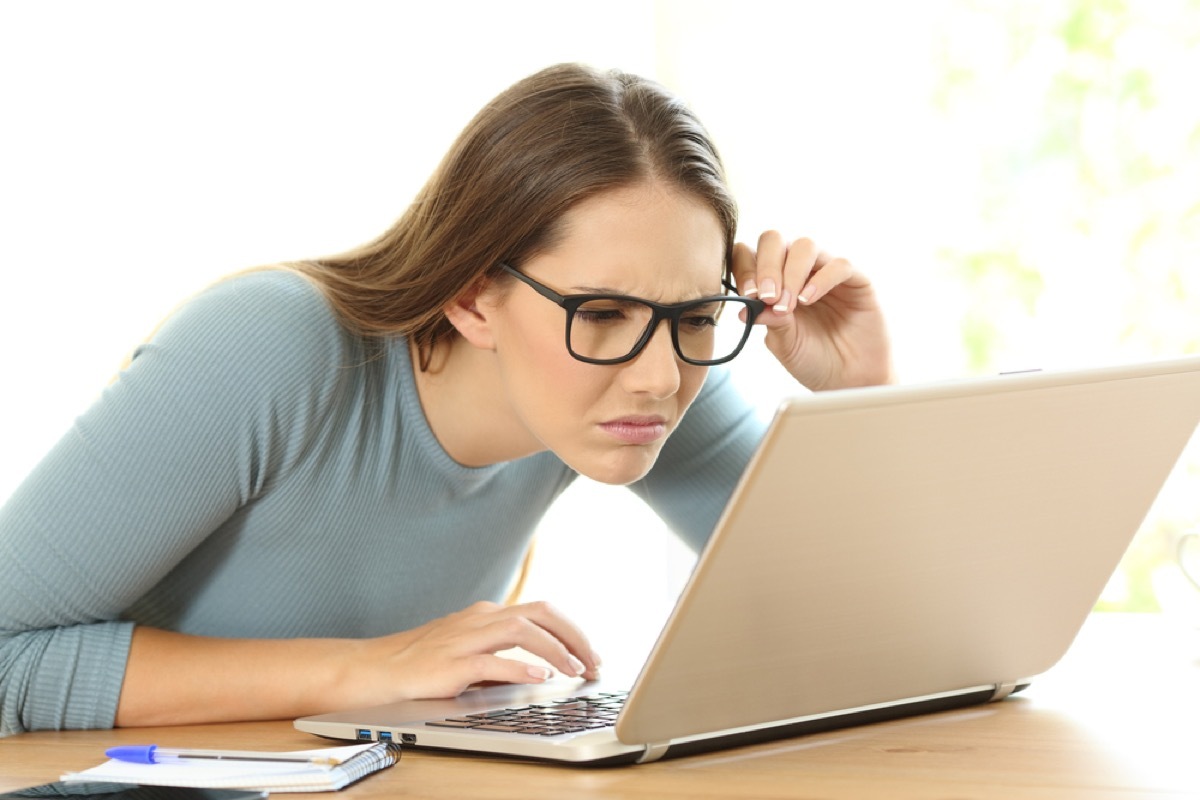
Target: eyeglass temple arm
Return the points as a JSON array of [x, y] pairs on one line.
[[727, 282], [544, 291]]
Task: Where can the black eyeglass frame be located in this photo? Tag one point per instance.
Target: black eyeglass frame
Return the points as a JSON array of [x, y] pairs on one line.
[[659, 312]]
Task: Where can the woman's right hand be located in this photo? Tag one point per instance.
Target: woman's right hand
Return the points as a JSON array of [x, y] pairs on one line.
[[445, 656]]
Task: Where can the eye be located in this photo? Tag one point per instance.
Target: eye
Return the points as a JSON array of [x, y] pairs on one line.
[[697, 323], [598, 316], [700, 318], [602, 312]]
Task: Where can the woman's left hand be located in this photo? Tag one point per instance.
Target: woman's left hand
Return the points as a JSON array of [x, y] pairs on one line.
[[823, 321]]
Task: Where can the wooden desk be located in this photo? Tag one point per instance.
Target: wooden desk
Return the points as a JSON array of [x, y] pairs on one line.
[[1118, 718]]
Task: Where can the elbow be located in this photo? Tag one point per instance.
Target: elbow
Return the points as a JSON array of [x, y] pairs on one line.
[[61, 678]]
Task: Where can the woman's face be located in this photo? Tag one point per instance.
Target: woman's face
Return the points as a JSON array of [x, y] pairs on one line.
[[607, 422]]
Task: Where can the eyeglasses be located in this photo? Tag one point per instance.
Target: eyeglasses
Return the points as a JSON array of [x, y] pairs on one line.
[[614, 328]]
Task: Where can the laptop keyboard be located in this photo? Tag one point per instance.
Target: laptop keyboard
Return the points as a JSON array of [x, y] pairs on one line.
[[564, 715]]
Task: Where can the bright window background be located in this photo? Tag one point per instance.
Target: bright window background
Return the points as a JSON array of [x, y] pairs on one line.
[[1019, 179]]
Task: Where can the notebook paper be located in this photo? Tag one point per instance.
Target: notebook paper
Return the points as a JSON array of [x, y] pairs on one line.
[[356, 761]]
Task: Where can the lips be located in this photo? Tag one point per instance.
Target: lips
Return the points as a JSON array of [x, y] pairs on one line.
[[636, 429]]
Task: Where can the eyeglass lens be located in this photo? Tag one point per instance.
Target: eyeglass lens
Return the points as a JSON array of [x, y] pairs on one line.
[[613, 328]]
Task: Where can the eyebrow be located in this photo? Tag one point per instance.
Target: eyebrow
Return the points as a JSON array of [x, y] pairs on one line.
[[608, 290], [594, 290]]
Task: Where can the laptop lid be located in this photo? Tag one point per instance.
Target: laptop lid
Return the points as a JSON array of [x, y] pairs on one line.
[[885, 548], [892, 543]]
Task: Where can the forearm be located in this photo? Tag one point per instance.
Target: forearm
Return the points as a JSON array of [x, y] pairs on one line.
[[178, 679]]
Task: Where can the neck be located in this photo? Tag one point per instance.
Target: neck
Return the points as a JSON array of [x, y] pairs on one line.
[[464, 402]]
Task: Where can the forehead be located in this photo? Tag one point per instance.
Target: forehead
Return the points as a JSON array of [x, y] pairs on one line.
[[646, 240]]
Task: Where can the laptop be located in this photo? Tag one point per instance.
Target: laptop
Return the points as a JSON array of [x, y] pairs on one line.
[[888, 551]]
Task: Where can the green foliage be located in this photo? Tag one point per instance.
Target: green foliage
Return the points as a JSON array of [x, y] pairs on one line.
[[1084, 131]]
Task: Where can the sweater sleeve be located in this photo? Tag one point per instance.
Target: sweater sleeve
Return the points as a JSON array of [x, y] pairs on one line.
[[701, 463], [223, 398]]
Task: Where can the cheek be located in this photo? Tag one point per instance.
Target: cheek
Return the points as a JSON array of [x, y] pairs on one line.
[[551, 367], [551, 379], [531, 341]]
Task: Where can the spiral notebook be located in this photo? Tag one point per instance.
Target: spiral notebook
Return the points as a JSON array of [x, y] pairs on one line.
[[355, 762]]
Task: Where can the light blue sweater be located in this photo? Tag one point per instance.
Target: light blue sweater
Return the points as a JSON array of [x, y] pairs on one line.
[[258, 471]]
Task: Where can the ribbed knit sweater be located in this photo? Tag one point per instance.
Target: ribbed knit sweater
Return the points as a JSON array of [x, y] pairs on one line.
[[258, 471]]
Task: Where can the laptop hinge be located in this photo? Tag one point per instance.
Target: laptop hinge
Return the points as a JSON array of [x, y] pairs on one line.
[[654, 752], [1003, 690]]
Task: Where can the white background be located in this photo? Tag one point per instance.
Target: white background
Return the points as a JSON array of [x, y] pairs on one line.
[[148, 148]]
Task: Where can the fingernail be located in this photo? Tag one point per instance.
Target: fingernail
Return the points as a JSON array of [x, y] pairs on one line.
[[802, 298], [749, 289], [576, 666], [782, 305], [767, 290], [539, 673], [596, 662]]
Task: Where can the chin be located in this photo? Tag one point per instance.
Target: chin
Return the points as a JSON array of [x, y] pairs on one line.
[[624, 467]]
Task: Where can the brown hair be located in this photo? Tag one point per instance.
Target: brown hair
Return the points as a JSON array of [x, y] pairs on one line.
[[548, 142]]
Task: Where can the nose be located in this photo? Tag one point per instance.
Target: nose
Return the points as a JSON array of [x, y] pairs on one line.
[[655, 370]]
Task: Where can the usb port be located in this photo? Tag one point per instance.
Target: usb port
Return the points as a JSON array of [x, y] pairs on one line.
[[364, 733], [385, 736]]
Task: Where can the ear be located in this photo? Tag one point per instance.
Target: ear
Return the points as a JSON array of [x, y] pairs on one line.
[[469, 313]]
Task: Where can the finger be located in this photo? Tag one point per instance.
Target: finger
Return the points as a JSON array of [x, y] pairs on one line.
[[565, 632], [536, 627], [489, 668], [830, 273], [801, 260], [768, 268], [743, 270]]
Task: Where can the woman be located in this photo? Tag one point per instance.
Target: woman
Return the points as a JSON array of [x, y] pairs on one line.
[[310, 489]]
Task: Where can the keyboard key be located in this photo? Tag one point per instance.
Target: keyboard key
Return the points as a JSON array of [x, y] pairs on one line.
[[564, 715], [492, 726]]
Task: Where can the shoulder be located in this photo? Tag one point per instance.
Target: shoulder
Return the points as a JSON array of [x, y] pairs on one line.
[[273, 315], [719, 415], [263, 337], [718, 397], [260, 300]]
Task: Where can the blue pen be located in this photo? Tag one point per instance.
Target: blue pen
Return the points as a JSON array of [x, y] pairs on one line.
[[153, 754]]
